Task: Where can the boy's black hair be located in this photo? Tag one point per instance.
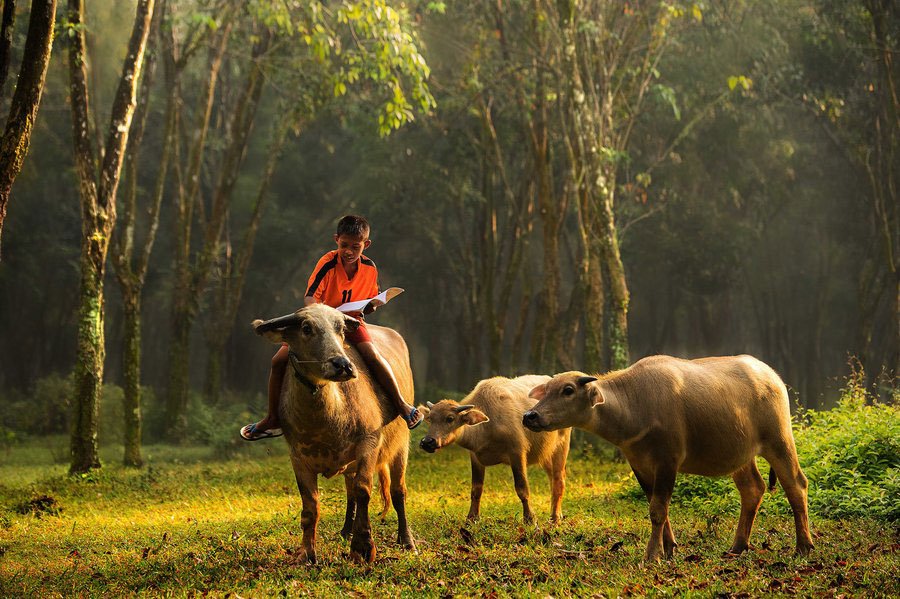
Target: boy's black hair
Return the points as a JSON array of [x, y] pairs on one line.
[[354, 225]]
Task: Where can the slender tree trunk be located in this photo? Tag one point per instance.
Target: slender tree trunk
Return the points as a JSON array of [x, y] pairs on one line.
[[29, 86], [132, 391], [7, 28], [98, 212], [612, 262], [187, 301]]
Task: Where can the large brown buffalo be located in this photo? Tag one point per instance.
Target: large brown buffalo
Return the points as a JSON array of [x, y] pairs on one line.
[[711, 416], [337, 420]]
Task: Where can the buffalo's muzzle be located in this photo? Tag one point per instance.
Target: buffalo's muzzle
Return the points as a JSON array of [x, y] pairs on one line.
[[343, 367], [429, 444], [532, 421]]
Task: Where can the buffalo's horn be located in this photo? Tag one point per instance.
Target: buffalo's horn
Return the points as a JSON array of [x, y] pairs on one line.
[[584, 380], [429, 405], [461, 409], [279, 323]]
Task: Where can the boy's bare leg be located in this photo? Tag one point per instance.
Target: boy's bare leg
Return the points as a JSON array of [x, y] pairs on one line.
[[385, 375], [276, 379]]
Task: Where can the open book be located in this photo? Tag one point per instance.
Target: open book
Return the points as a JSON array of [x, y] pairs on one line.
[[379, 300]]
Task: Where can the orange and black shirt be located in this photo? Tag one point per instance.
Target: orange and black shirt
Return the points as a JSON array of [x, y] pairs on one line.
[[329, 283]]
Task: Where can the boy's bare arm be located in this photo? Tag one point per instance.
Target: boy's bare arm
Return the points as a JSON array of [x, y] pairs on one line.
[[309, 300]]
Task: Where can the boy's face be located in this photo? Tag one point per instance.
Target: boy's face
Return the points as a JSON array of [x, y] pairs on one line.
[[351, 247]]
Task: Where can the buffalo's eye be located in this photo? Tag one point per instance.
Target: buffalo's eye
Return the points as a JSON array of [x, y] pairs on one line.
[[568, 390], [306, 328], [449, 418]]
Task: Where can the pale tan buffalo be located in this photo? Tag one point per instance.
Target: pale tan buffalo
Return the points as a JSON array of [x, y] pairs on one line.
[[336, 420], [488, 423], [711, 416]]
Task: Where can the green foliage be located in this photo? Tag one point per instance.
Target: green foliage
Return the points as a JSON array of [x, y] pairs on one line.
[[851, 455]]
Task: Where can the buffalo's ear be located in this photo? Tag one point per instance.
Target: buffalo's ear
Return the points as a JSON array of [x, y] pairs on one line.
[[350, 323], [474, 416], [425, 410], [595, 394], [273, 335], [538, 392]]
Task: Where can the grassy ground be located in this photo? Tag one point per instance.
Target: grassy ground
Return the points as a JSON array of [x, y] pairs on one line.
[[191, 524]]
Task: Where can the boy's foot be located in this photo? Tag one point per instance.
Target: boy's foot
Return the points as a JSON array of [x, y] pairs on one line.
[[413, 419], [254, 432]]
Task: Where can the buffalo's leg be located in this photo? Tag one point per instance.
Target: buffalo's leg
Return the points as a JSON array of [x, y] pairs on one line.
[[520, 479], [661, 494], [668, 538], [557, 474], [309, 516], [398, 499], [783, 460], [752, 487], [362, 546], [477, 488], [351, 507]]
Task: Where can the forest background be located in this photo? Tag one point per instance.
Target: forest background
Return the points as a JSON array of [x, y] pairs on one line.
[[556, 186]]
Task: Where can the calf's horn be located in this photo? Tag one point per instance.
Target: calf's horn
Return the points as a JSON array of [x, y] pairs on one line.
[[278, 323], [429, 405], [461, 409], [584, 380]]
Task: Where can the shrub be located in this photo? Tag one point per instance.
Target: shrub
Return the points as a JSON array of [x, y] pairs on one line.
[[851, 455]]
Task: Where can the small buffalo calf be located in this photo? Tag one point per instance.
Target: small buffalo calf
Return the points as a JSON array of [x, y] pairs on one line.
[[488, 422]]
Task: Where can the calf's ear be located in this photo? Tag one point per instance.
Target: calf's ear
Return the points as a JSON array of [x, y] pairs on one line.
[[425, 410], [538, 392], [350, 323], [474, 416]]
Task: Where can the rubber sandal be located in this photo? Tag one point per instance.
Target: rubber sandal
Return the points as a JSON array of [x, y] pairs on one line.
[[414, 419], [251, 433]]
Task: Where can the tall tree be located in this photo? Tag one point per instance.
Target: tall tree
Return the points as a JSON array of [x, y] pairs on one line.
[[29, 86], [97, 190], [130, 251]]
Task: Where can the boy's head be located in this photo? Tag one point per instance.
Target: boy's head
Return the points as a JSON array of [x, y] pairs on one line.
[[352, 237]]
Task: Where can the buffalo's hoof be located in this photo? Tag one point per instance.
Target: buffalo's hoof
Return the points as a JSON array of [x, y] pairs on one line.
[[346, 532], [362, 550], [407, 542], [304, 556], [803, 549]]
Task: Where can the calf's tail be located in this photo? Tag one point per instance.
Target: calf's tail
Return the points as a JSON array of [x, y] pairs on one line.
[[772, 480], [384, 486]]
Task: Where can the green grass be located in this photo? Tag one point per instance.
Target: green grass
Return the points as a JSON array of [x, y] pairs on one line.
[[192, 524]]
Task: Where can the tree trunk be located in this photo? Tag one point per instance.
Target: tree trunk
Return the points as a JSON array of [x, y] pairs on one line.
[[7, 27], [612, 262], [98, 213], [132, 391], [27, 97]]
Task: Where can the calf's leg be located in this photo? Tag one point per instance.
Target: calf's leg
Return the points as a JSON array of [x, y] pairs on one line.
[[477, 488], [398, 499], [557, 474], [309, 516], [783, 459], [752, 487], [520, 479]]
